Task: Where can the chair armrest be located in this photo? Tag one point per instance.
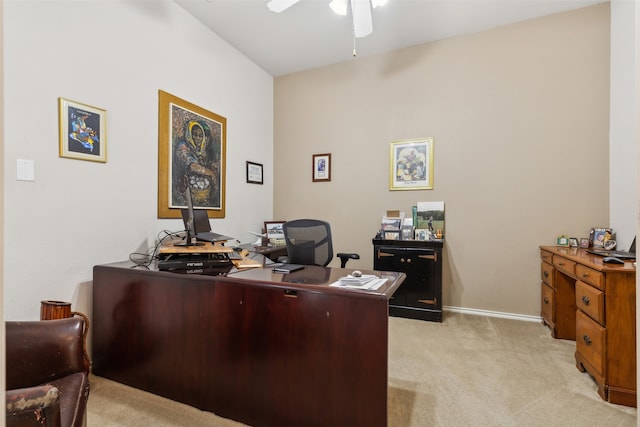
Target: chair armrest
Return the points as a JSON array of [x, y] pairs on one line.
[[42, 351], [38, 405], [344, 257]]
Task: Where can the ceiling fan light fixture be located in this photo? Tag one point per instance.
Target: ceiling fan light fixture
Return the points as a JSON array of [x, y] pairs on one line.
[[362, 21], [339, 6]]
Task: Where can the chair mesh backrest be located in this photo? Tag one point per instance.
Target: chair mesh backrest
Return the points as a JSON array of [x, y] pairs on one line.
[[308, 242]]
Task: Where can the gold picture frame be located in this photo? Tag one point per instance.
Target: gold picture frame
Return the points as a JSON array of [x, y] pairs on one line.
[[191, 151], [411, 164], [83, 131]]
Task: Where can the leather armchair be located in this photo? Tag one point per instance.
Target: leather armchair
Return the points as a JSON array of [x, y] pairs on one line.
[[47, 373]]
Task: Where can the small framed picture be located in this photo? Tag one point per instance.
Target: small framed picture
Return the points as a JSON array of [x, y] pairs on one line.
[[584, 242], [562, 241], [407, 232], [391, 224], [274, 229], [392, 235], [83, 131], [599, 235], [422, 234], [321, 167], [254, 173], [573, 242]]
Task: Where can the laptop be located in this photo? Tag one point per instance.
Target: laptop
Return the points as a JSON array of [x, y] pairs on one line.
[[202, 227], [630, 254]]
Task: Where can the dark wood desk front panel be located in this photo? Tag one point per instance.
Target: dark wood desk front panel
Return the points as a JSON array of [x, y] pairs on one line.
[[249, 346]]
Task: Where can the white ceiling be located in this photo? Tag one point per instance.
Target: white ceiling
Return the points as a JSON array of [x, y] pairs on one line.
[[309, 34]]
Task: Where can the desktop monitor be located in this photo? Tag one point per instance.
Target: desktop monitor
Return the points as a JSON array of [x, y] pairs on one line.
[[190, 238]]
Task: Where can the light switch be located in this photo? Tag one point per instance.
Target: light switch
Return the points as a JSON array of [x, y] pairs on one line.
[[25, 170]]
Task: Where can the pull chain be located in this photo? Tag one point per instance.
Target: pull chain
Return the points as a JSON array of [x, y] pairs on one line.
[[353, 32]]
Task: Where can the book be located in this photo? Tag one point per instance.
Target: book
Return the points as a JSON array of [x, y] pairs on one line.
[[287, 268]]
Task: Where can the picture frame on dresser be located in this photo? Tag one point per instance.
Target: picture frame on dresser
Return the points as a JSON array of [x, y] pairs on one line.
[[422, 234], [598, 235]]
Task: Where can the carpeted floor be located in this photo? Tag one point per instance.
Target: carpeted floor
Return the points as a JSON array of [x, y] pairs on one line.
[[467, 371]]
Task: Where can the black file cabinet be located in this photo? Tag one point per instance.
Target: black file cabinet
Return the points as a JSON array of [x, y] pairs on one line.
[[420, 295]]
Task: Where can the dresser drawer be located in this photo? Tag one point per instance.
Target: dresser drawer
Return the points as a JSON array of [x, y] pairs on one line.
[[546, 256], [591, 276], [546, 273], [591, 341], [591, 301], [565, 265], [547, 304]]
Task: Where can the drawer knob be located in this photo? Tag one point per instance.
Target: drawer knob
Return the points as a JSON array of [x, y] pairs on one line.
[[585, 300], [587, 339], [546, 300], [585, 276], [546, 274]]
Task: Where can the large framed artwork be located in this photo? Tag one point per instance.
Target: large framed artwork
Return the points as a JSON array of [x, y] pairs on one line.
[[191, 152], [83, 131], [411, 165]]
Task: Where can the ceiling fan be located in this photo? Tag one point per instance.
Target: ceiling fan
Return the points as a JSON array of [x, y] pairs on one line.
[[360, 11]]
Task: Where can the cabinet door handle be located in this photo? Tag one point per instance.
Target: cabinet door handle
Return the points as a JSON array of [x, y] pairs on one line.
[[585, 300], [545, 274], [433, 257], [587, 339], [546, 300], [408, 260]]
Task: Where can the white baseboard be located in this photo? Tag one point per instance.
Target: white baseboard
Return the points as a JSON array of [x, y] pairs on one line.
[[489, 313]]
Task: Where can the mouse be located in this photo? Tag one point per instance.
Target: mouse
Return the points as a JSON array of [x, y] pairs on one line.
[[357, 273], [612, 260]]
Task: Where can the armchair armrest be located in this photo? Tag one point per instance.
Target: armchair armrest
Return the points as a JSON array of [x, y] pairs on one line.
[[43, 351], [39, 405], [344, 257]]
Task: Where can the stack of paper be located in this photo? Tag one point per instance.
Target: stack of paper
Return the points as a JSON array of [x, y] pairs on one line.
[[366, 281], [357, 280]]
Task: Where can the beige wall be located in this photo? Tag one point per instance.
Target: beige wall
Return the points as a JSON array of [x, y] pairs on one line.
[[102, 212], [520, 117]]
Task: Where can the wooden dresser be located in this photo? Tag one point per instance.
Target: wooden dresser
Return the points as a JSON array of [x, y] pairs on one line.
[[593, 303]]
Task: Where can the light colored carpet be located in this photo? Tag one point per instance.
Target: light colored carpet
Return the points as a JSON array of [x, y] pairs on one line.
[[467, 371]]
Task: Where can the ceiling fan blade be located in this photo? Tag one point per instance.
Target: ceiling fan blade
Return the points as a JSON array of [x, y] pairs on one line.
[[280, 5], [362, 22]]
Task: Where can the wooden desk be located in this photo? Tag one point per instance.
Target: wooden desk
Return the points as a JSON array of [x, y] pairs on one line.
[[594, 303], [262, 348]]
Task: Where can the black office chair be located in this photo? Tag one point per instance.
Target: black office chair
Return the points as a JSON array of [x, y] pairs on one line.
[[309, 243]]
